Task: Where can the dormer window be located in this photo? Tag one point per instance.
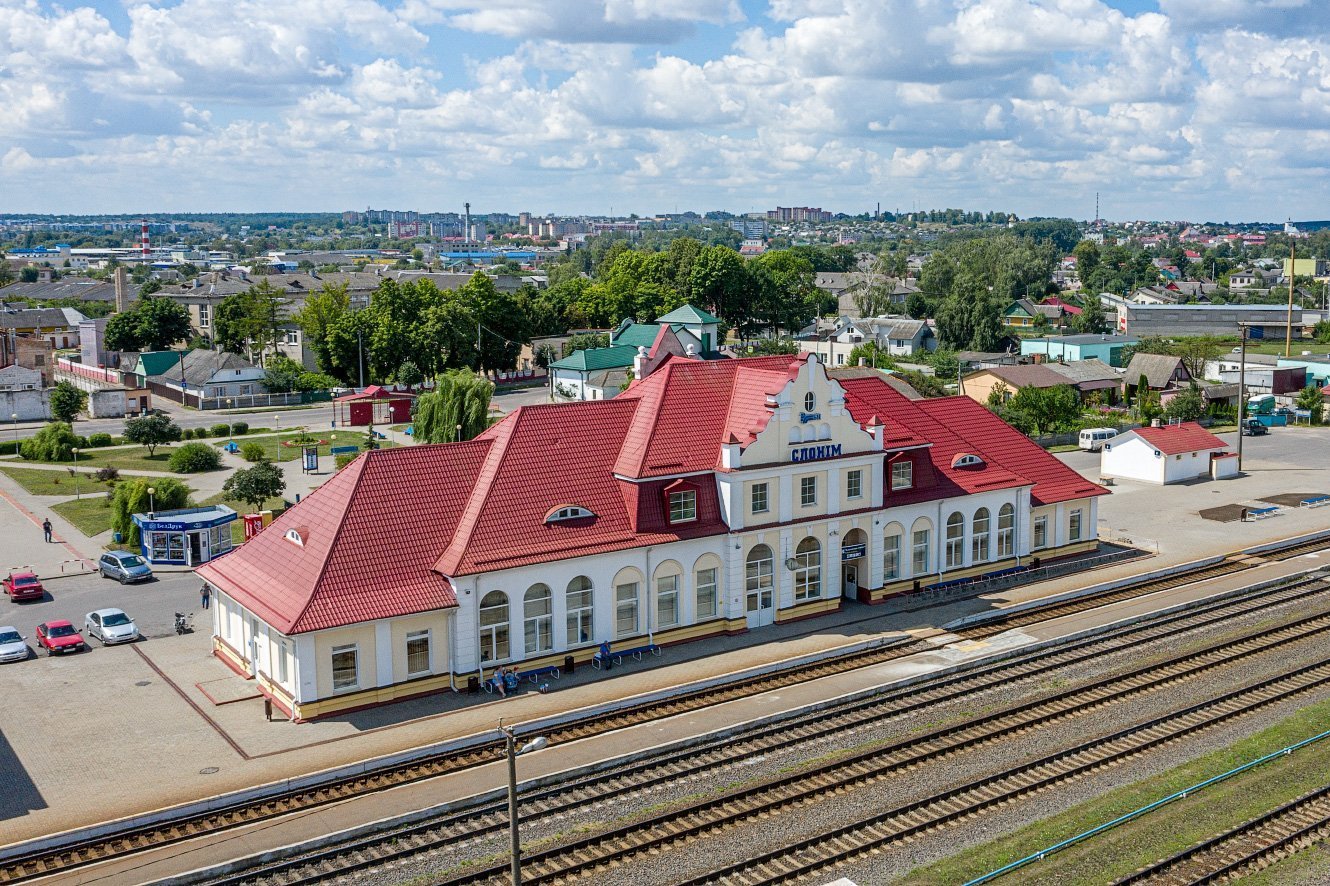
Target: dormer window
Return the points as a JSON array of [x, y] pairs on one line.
[[567, 512], [967, 460], [683, 505]]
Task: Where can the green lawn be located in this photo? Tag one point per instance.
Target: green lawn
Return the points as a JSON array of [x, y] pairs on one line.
[[91, 514], [135, 458], [1169, 829], [327, 440], [54, 482]]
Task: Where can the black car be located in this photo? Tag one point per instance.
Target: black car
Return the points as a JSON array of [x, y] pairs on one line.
[[1253, 428]]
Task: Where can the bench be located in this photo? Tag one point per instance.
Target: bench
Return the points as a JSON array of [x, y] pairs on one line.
[[617, 655], [1316, 502], [1261, 513], [535, 674]]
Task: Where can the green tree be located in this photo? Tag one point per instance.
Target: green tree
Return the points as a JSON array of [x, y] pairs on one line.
[[918, 306], [872, 355], [55, 442], [765, 347], [1091, 319], [282, 374], [785, 295], [250, 322], [1187, 405], [946, 366], [151, 431], [1049, 409], [131, 497], [317, 317], [1312, 399], [585, 340], [460, 398], [720, 282], [151, 324], [255, 485], [67, 401], [1087, 258]]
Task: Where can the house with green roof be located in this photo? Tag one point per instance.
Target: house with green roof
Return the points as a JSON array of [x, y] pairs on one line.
[[692, 325], [591, 373]]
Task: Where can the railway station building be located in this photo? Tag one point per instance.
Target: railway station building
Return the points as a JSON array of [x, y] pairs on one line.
[[710, 498]]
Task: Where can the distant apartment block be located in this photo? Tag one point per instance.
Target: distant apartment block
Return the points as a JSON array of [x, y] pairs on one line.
[[750, 228], [798, 214]]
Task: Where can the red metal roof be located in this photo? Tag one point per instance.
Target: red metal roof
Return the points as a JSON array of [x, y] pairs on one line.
[[1175, 439]]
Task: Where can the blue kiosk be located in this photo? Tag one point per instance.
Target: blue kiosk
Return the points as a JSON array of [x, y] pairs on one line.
[[186, 537]]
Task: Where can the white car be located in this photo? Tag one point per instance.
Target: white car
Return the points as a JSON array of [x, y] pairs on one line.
[[110, 626], [12, 645]]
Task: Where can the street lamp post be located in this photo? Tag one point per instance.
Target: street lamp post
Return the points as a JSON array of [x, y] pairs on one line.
[[230, 437], [13, 416], [278, 420], [513, 752], [152, 503], [1242, 388], [459, 434], [77, 494]]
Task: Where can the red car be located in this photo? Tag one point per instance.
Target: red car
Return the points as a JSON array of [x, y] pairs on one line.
[[23, 586], [59, 636]]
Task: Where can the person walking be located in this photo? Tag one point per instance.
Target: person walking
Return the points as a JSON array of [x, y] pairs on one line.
[[205, 595], [46, 529]]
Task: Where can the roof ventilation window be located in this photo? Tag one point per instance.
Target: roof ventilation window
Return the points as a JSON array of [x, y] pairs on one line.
[[297, 536], [967, 460], [567, 512]]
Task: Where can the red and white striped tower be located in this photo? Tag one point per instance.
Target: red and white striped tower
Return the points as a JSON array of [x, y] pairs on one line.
[[145, 249]]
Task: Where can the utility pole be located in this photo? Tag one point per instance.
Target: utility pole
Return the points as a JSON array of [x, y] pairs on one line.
[[1292, 275], [360, 344], [1242, 388]]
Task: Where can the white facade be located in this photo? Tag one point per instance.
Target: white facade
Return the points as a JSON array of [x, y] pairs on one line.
[[1130, 457]]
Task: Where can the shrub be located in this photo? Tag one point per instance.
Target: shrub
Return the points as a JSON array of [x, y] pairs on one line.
[[221, 430], [240, 428], [345, 458], [107, 474], [99, 440], [253, 452], [55, 442], [194, 457], [201, 433], [131, 497]]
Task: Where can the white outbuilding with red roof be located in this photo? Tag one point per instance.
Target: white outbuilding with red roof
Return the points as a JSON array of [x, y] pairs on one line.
[[1171, 453], [711, 497]]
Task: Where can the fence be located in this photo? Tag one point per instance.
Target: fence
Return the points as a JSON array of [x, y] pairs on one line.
[[1073, 437], [251, 401], [95, 373], [1020, 575]]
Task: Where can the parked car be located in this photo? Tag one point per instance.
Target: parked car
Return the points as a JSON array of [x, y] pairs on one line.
[[1253, 427], [23, 586], [59, 636], [1285, 411], [12, 645], [110, 626], [124, 567]]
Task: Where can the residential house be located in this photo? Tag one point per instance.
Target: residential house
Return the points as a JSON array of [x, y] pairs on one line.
[[1162, 372], [201, 374], [895, 336], [59, 326], [979, 386], [1090, 377], [591, 373], [1023, 313]]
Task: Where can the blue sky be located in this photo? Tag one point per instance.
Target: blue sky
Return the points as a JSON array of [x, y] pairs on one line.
[[1198, 109]]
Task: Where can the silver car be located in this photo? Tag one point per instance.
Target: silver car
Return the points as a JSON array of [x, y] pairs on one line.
[[12, 645], [124, 567], [110, 626]]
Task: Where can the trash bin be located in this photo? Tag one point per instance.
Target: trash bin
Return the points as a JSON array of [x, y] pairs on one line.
[[568, 664], [472, 685], [119, 539]]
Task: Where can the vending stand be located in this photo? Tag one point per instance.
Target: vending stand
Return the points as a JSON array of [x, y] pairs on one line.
[[186, 537]]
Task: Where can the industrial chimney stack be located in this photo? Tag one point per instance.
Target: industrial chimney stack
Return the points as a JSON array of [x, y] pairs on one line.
[[121, 290], [466, 231]]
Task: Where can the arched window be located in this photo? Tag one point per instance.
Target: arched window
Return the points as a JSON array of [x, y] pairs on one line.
[[979, 537], [921, 537], [538, 619], [955, 541], [578, 604], [494, 626], [810, 402], [808, 572], [759, 571], [891, 552], [706, 588], [1006, 535]]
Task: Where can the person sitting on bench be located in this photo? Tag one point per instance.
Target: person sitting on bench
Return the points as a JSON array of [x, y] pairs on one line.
[[509, 681], [605, 654], [499, 680]]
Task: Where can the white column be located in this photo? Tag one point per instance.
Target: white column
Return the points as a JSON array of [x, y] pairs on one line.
[[785, 508], [383, 653], [305, 678]]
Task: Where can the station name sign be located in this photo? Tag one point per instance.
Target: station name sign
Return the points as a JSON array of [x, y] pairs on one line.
[[806, 417], [815, 453]]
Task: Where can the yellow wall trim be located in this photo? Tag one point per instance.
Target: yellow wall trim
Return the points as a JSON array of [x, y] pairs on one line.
[[810, 607]]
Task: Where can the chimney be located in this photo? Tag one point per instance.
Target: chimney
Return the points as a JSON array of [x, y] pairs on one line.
[[878, 430], [690, 351], [640, 363], [121, 293], [1155, 423]]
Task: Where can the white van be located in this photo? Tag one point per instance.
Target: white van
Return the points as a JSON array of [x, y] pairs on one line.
[[1092, 439]]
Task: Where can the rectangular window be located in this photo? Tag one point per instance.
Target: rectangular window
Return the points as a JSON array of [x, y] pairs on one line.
[[920, 563], [1075, 527], [706, 594], [891, 557], [344, 671], [902, 475], [667, 601], [283, 662], [1040, 533], [579, 616], [205, 316], [761, 503], [625, 610], [683, 506], [417, 653], [807, 491], [854, 484], [292, 337]]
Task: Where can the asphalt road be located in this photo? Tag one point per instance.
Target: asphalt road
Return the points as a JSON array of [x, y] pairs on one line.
[[152, 604]]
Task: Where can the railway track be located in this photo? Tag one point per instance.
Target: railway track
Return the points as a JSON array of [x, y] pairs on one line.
[[808, 856], [1245, 849], [468, 825], [134, 841]]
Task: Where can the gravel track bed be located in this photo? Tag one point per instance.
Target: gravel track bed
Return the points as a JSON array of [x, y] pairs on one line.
[[667, 867]]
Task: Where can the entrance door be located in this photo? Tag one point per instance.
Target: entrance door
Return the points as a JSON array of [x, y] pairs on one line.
[[851, 579], [761, 607], [195, 548]]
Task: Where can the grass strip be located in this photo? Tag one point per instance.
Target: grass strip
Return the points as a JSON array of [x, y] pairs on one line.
[[61, 483], [90, 515], [1174, 827]]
